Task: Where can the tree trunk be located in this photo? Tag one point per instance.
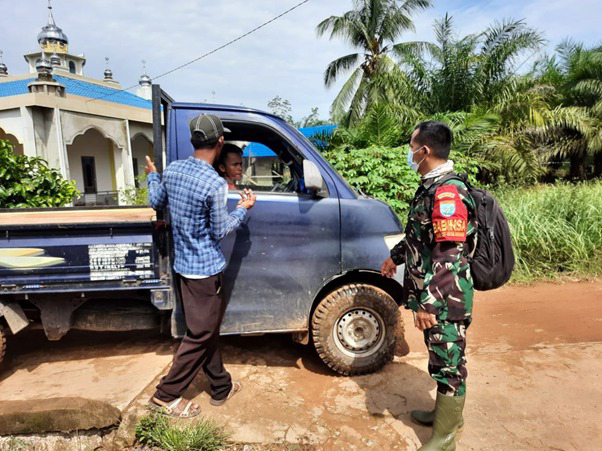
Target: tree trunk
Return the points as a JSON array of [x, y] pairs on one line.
[[598, 164], [578, 165]]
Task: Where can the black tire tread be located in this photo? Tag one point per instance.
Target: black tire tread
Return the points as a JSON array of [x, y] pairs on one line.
[[343, 298]]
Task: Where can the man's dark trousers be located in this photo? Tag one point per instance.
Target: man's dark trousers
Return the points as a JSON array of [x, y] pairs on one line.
[[204, 309]]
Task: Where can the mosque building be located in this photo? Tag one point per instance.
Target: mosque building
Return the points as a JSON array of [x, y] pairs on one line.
[[91, 130]]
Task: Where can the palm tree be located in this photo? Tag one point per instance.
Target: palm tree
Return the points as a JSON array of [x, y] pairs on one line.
[[457, 74], [372, 27], [475, 76], [575, 73]]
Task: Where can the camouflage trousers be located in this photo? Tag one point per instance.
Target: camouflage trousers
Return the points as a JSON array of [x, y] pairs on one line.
[[446, 344]]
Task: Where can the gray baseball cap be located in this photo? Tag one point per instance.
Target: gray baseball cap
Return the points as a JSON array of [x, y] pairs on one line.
[[209, 125]]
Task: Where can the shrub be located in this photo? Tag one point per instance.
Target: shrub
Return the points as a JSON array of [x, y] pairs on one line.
[[136, 195], [29, 182], [383, 173]]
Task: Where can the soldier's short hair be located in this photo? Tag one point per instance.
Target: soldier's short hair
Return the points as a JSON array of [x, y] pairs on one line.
[[437, 136]]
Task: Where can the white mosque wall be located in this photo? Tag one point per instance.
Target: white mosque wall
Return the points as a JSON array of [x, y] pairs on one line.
[[48, 138], [12, 124], [139, 128], [29, 138], [93, 144], [75, 124], [121, 172], [118, 159]]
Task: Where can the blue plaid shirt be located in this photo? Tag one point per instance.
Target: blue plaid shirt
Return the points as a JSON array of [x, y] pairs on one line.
[[196, 196]]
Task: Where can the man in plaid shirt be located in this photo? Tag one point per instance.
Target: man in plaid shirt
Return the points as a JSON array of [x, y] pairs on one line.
[[196, 198]]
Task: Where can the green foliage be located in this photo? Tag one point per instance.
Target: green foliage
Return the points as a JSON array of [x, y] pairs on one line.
[[517, 123], [136, 195], [382, 172], [29, 182], [511, 129], [555, 229], [475, 78], [574, 75], [156, 430]]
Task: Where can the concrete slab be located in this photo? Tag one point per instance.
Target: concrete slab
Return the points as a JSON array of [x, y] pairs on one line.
[[113, 368], [56, 415]]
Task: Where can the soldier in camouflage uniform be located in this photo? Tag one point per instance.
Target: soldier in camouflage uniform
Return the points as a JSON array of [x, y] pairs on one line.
[[440, 235]]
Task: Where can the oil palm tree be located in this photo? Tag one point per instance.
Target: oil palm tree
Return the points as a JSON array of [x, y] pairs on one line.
[[575, 72], [372, 27], [457, 74], [476, 77]]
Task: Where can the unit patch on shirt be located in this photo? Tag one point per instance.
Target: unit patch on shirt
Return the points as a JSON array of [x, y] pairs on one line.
[[449, 215]]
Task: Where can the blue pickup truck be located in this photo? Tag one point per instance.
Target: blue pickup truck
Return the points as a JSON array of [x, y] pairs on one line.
[[305, 262]]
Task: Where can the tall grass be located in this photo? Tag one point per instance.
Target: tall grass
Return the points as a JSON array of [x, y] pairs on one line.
[[556, 229], [158, 431]]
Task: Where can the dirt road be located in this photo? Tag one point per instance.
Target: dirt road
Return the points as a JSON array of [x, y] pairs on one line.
[[534, 360]]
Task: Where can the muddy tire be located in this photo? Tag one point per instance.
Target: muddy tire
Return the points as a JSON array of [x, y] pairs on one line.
[[353, 329], [2, 342]]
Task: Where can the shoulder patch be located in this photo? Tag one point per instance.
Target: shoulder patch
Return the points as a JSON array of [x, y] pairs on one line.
[[449, 215]]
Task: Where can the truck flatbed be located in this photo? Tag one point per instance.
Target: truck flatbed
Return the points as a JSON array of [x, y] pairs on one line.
[[76, 216]]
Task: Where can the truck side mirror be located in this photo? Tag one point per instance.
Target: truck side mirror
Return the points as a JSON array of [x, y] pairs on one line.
[[313, 179]]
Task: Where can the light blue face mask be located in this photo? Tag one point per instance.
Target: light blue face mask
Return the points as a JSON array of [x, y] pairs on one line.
[[414, 166]]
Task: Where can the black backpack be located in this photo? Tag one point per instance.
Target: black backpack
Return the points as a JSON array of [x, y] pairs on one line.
[[493, 261]]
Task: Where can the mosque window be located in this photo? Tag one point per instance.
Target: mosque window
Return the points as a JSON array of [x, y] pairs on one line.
[[71, 67]]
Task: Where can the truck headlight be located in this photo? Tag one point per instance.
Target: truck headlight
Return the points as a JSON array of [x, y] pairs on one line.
[[392, 240]]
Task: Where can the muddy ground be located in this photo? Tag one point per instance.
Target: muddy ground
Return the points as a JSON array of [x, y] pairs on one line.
[[534, 361]]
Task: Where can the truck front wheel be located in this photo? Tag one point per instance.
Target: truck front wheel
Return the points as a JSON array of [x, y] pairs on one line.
[[353, 329]]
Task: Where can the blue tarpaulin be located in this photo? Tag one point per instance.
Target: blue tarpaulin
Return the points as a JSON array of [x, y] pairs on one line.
[[259, 150]]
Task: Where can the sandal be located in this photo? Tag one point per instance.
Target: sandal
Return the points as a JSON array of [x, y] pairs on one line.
[[236, 387], [171, 409]]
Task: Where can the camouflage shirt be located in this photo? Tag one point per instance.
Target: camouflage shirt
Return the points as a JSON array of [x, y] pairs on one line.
[[440, 236]]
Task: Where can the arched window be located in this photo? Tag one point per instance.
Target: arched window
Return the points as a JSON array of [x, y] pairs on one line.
[[71, 67]]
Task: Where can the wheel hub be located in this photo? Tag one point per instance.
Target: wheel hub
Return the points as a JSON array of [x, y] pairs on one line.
[[358, 330]]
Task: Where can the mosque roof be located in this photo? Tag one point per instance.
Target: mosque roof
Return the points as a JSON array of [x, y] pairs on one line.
[[79, 88]]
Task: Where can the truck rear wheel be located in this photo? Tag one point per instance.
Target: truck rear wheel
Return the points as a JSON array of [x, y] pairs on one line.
[[353, 329]]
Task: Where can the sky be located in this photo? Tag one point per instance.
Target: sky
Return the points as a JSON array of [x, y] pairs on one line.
[[285, 58]]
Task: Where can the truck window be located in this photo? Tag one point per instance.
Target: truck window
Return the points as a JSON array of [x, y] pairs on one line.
[[270, 164], [264, 170]]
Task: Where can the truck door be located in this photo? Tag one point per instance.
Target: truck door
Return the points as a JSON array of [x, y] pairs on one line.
[[289, 244]]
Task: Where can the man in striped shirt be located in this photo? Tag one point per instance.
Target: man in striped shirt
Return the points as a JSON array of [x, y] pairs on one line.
[[195, 196]]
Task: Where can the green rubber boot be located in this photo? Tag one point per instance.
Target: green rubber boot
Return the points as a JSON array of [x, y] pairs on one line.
[[423, 417], [448, 415], [427, 417]]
